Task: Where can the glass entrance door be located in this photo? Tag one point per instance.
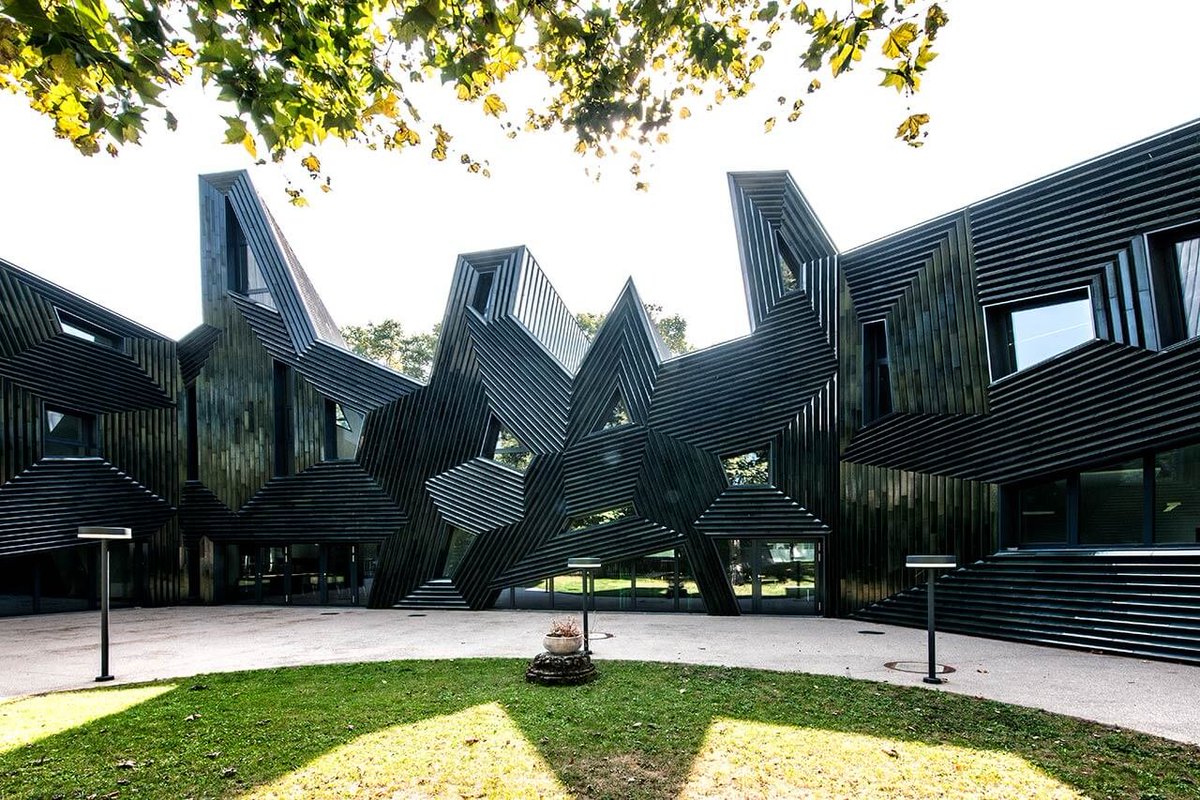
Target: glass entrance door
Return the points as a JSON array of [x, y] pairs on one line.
[[774, 576]]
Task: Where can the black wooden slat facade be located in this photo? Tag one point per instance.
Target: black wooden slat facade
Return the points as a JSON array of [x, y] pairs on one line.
[[924, 473]]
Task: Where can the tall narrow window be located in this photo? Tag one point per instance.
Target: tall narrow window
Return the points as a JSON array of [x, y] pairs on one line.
[[244, 274], [752, 468], [343, 426], [481, 297], [789, 277], [1175, 263], [283, 418], [193, 436], [1029, 332], [68, 434], [877, 376]]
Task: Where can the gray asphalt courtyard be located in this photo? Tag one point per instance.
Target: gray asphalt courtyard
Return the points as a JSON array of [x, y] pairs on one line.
[[61, 651]]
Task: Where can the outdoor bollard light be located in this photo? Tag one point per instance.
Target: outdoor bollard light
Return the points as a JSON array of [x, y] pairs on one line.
[[586, 565], [929, 564], [104, 534]]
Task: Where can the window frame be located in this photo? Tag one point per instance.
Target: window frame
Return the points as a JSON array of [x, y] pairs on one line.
[[1169, 316], [998, 334], [872, 411], [99, 335], [90, 427], [766, 452]]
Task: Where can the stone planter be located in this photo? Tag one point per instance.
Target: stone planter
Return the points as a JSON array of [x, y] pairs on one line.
[[562, 645]]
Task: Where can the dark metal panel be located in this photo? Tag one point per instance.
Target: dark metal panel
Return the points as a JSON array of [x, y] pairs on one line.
[[758, 511], [479, 495], [42, 508]]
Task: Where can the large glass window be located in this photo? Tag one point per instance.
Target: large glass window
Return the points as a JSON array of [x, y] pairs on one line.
[[67, 434], [1042, 513], [789, 277], [877, 378], [1177, 496], [1027, 333], [1175, 261], [1110, 504], [283, 418]]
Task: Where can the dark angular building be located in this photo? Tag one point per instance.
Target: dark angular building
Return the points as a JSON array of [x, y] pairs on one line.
[[1015, 383]]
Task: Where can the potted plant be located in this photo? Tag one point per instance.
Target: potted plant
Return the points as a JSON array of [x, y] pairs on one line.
[[564, 637]]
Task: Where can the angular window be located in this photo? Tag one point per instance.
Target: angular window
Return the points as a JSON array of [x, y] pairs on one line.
[[343, 426], [244, 274], [752, 468], [596, 518], [481, 295], [788, 276], [505, 448], [1175, 264], [68, 434], [456, 551], [877, 378], [1030, 331], [82, 329], [618, 414]]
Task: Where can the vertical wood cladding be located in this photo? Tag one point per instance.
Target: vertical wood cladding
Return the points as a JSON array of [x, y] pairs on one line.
[[242, 493], [130, 392]]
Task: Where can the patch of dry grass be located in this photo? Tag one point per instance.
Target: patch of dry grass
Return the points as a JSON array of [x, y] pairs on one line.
[[755, 760], [479, 752], [32, 718]]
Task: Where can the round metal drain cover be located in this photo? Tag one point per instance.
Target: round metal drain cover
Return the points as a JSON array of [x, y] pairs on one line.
[[416, 615], [918, 667], [873, 633]]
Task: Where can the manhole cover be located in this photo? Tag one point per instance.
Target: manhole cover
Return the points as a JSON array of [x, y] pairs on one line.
[[329, 613], [416, 615], [919, 667], [873, 633]]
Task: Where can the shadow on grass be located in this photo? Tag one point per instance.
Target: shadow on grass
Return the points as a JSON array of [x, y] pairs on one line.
[[633, 733]]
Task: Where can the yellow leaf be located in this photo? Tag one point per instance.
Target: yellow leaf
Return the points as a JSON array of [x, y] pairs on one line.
[[581, 147], [311, 164], [769, 124], [463, 91], [685, 112], [493, 105], [898, 39], [252, 148], [642, 186]]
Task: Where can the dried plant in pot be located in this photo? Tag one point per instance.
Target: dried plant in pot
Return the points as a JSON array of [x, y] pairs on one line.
[[564, 637]]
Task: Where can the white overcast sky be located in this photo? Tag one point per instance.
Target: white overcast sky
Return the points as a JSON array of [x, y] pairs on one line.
[[1022, 88]]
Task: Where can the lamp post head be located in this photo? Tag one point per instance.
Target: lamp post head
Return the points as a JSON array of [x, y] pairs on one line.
[[931, 562]]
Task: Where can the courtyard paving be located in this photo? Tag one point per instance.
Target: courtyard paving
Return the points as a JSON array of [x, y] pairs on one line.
[[61, 651]]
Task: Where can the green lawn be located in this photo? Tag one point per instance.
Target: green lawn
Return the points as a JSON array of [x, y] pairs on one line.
[[475, 728]]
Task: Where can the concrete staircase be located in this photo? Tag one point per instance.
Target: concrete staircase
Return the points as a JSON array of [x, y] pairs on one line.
[[438, 593]]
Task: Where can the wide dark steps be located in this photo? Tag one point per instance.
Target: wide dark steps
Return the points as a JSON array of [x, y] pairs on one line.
[[1143, 603], [439, 593]]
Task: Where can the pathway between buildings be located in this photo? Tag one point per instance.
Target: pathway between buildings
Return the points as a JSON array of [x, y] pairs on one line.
[[61, 651]]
